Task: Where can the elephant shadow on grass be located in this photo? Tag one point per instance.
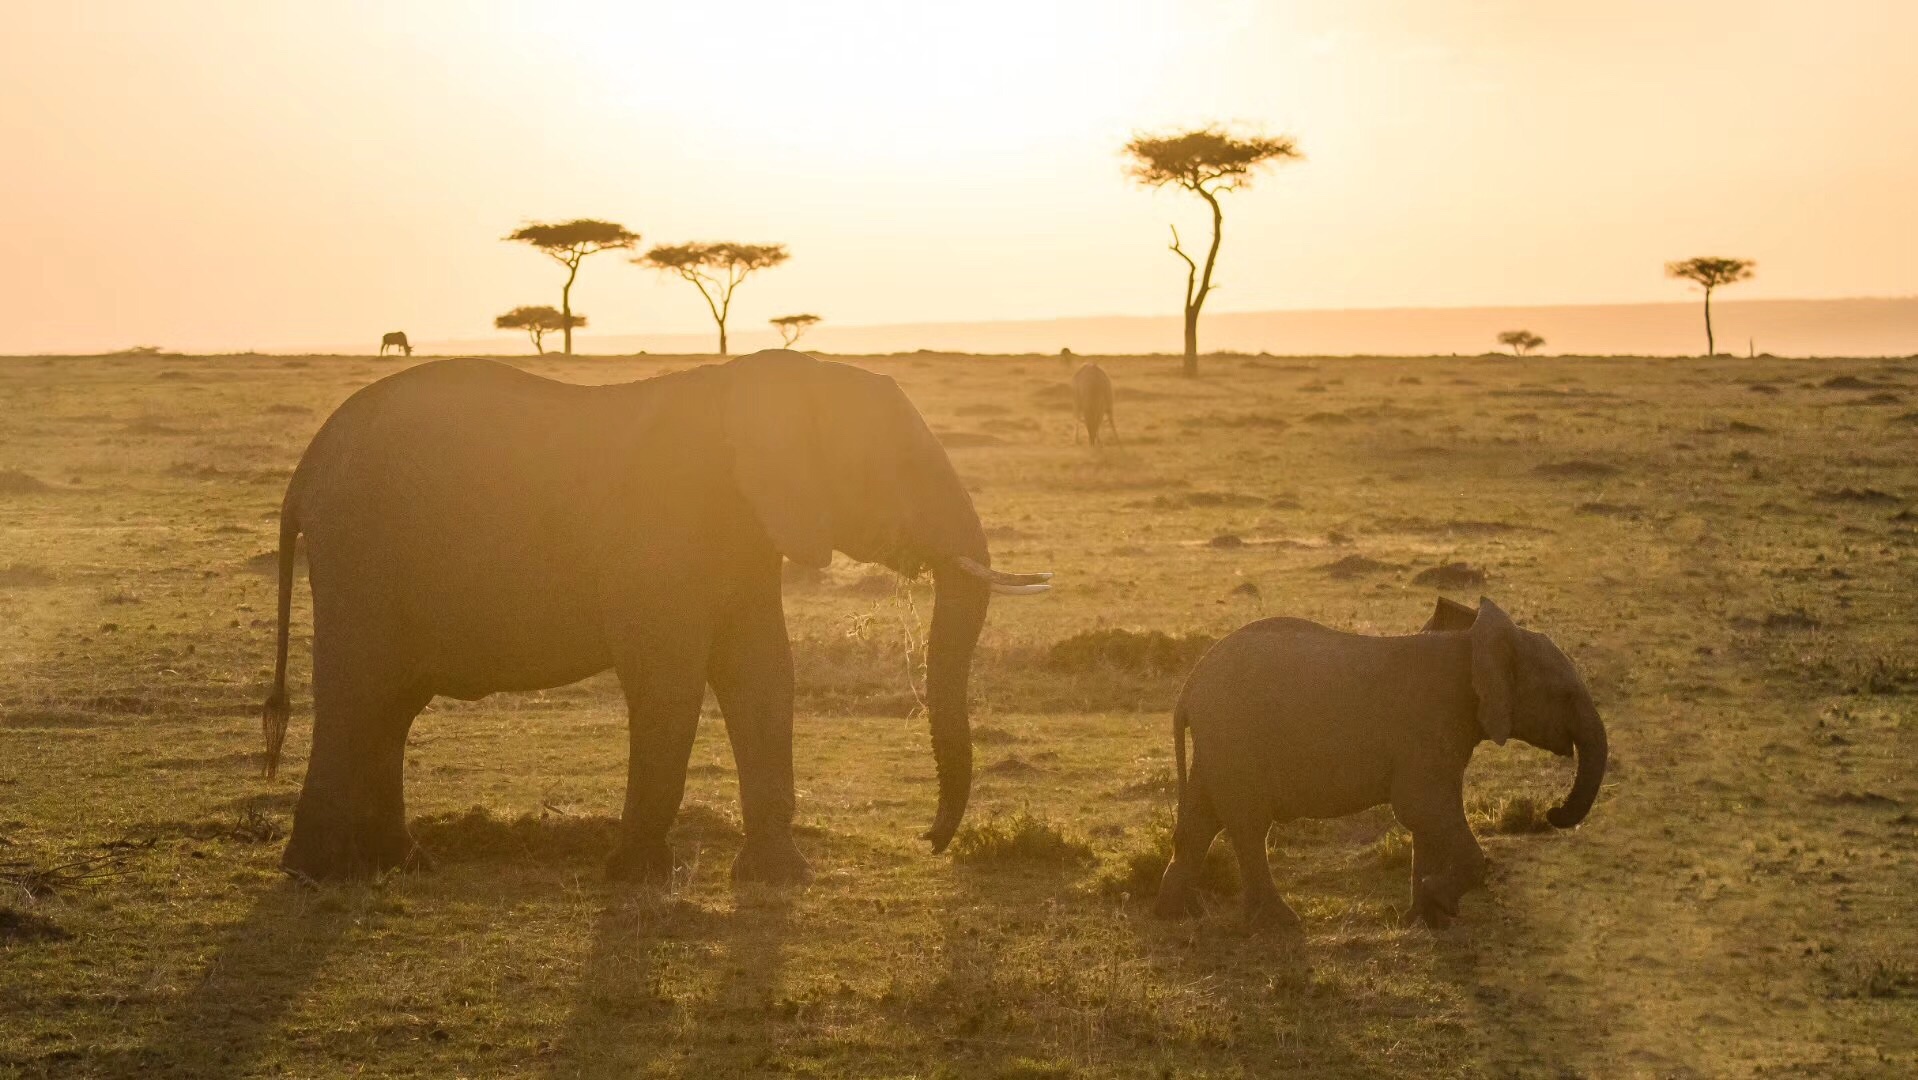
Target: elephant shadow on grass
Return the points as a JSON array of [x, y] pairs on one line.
[[672, 981], [263, 967], [1064, 967]]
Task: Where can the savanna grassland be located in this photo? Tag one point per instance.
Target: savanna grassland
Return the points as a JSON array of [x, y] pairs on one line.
[[1726, 547]]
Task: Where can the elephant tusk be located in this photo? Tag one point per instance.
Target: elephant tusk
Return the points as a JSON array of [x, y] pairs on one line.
[[1003, 583]]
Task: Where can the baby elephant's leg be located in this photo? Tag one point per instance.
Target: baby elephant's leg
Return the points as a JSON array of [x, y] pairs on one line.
[[1247, 814], [1446, 859], [1192, 838]]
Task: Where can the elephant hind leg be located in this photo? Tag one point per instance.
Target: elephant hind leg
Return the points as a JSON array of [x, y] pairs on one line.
[[1244, 805], [351, 818], [1264, 908], [1192, 837]]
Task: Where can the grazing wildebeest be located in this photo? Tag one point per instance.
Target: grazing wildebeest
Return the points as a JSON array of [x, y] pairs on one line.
[[396, 340], [1092, 401]]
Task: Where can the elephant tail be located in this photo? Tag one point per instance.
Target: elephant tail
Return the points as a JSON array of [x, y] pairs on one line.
[[277, 711]]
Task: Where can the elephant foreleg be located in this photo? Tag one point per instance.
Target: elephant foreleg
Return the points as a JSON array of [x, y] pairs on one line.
[[665, 684], [1447, 861], [751, 673]]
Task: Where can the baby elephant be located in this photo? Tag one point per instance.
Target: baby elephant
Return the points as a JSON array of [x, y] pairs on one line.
[[1092, 402], [1291, 719]]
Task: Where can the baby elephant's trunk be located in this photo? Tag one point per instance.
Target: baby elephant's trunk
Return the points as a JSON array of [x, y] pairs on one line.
[[1588, 739]]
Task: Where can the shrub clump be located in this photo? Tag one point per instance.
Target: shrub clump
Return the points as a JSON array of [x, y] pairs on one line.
[[1138, 869], [1511, 815], [1148, 652], [15, 482], [1023, 837], [1454, 575]]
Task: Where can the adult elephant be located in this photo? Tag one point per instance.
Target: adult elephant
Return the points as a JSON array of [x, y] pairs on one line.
[[471, 528]]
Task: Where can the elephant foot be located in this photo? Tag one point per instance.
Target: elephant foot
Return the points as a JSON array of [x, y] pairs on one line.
[[1271, 916], [330, 853], [1170, 905], [771, 862], [649, 864], [1430, 905], [1176, 901]]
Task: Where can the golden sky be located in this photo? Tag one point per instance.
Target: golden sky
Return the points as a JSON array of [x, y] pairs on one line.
[[275, 175]]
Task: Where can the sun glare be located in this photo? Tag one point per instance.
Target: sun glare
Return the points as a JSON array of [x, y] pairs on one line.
[[870, 80]]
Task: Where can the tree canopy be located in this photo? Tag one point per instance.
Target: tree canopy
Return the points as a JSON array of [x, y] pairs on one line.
[[571, 241], [716, 269], [1520, 341], [1207, 159], [1711, 271], [790, 327], [538, 321]]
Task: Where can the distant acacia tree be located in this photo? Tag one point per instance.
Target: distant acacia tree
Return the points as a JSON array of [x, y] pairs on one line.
[[568, 242], [1208, 162], [1710, 272], [1520, 341], [716, 270], [791, 327], [538, 322]]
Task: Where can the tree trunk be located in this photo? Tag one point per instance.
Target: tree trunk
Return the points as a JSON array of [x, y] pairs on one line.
[[722, 337], [1205, 285], [1192, 341], [566, 306], [1711, 346]]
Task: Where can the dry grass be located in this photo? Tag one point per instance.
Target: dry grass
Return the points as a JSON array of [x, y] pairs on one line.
[[1732, 569]]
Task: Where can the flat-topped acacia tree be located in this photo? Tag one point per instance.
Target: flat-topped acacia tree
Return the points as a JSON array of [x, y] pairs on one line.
[[792, 327], [1208, 162], [1711, 271], [716, 270], [538, 321], [1520, 341], [567, 243]]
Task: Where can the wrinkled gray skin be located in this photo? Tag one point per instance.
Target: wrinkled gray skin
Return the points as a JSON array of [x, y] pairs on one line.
[[1092, 402], [1291, 719], [471, 528]]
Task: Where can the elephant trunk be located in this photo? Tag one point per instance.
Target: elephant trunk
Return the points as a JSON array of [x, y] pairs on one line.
[[1588, 739], [958, 614]]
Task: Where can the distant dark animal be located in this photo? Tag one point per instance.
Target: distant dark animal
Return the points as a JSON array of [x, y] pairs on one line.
[[1291, 719], [1092, 402], [396, 340], [471, 528]]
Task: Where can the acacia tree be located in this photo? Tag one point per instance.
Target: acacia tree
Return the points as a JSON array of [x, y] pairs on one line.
[[1520, 341], [790, 327], [1711, 271], [538, 322], [1208, 162], [716, 270], [567, 243]]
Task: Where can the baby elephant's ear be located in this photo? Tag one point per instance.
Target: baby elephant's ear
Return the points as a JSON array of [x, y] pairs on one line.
[[1449, 615], [1494, 669]]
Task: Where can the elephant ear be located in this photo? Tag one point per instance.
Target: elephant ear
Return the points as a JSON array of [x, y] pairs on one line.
[[1494, 669], [1448, 615], [771, 422]]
